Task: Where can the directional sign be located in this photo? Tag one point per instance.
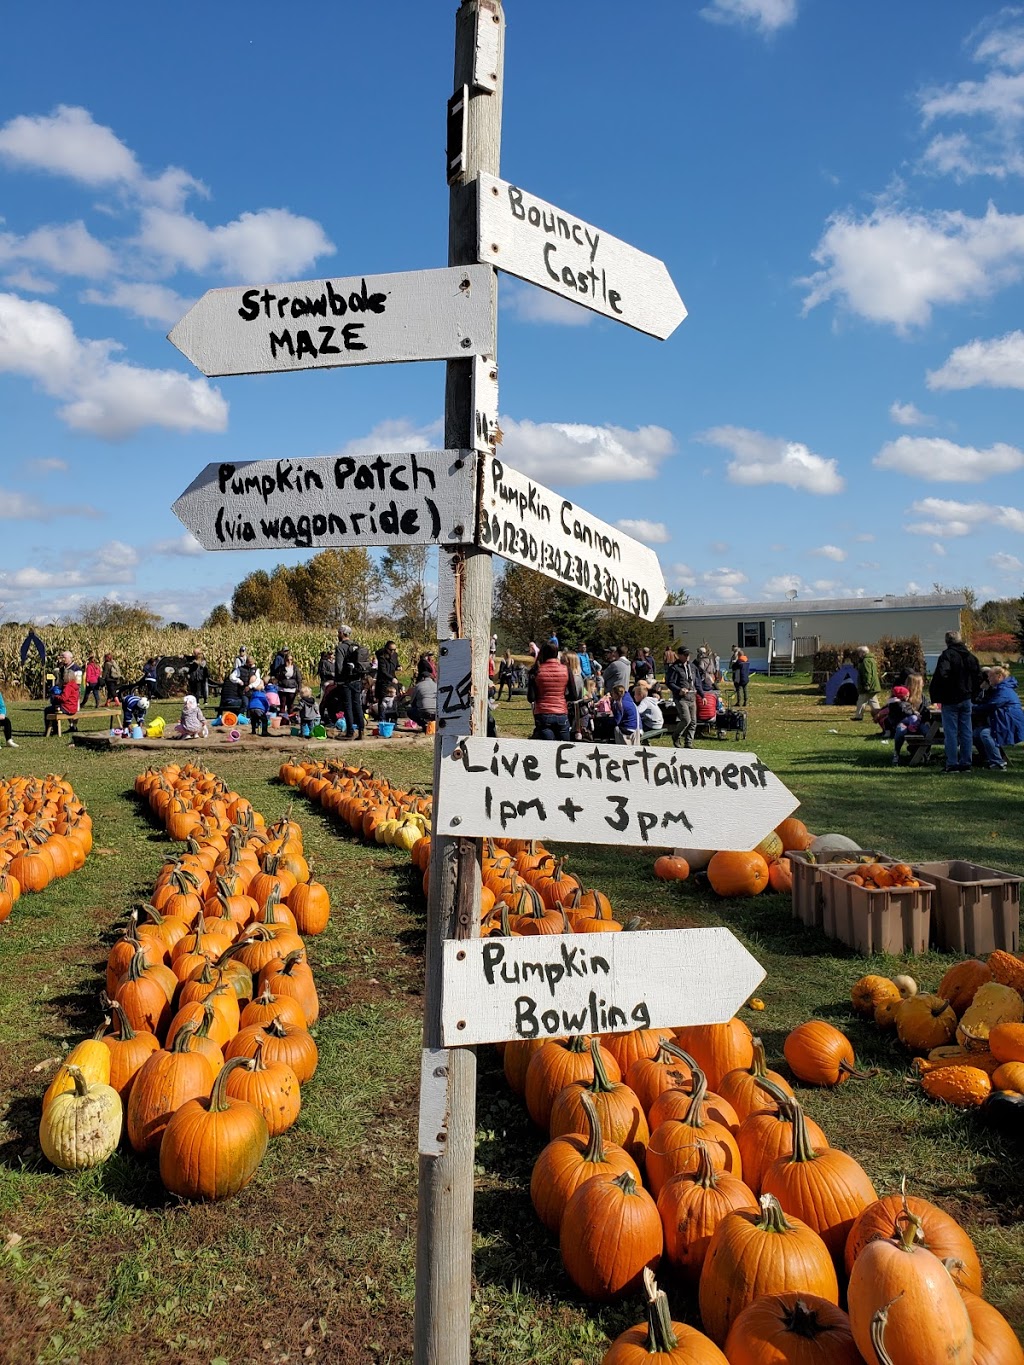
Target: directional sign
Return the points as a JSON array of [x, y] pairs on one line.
[[497, 990], [608, 794], [522, 520], [527, 237], [403, 499], [320, 324]]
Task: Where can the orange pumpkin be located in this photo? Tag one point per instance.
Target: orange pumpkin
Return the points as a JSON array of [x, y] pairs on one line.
[[738, 874], [671, 869], [794, 834], [780, 876]]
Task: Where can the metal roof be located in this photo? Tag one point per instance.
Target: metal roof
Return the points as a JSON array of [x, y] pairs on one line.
[[804, 607]]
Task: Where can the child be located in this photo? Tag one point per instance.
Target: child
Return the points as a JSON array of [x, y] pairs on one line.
[[307, 713], [389, 704], [133, 709], [192, 724], [5, 724], [257, 708]]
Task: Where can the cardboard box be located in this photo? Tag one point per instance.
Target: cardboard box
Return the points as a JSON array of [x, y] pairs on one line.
[[975, 910]]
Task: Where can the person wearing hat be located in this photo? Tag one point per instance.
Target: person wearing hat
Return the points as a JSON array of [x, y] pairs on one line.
[[868, 683], [896, 712], [685, 684]]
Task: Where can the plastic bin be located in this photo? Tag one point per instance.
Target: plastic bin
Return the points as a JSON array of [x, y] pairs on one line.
[[975, 909], [385, 729], [892, 919], [807, 899]]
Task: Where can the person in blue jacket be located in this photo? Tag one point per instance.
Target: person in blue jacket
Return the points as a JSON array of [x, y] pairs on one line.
[[739, 667], [257, 708], [997, 717]]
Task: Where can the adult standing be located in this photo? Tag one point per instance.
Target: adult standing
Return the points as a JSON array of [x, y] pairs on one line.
[[739, 667], [954, 685], [574, 693], [869, 684], [92, 679], [506, 674], [350, 665], [586, 663], [643, 666], [199, 677], [550, 680], [387, 671], [288, 680], [707, 666], [684, 684], [616, 669], [112, 678]]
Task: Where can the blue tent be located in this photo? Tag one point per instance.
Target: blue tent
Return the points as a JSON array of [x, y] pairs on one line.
[[842, 677]]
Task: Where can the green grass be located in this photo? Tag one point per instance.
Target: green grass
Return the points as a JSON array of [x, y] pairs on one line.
[[315, 1260]]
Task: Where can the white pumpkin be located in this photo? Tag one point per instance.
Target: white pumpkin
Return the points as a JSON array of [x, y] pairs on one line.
[[834, 843], [81, 1127], [698, 858]]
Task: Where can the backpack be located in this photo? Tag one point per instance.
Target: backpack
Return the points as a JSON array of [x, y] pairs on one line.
[[357, 664]]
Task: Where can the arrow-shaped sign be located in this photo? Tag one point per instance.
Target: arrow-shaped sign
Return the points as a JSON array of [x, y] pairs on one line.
[[522, 520], [321, 324], [497, 990], [608, 794], [530, 238], [424, 498]]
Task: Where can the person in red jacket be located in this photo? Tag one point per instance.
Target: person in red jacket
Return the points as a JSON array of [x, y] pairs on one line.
[[549, 679]]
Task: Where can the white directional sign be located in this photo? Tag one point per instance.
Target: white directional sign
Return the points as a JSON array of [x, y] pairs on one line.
[[497, 990], [608, 794], [522, 520], [405, 499], [319, 324], [527, 237]]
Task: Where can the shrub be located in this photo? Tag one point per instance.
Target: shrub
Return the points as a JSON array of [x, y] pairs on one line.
[[899, 655], [829, 658], [996, 642]]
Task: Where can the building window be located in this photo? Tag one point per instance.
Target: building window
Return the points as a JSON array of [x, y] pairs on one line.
[[751, 634]]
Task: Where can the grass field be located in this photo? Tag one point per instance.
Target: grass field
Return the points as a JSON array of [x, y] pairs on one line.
[[315, 1259]]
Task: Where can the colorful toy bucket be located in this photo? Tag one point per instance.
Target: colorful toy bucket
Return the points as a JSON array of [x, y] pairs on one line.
[[229, 718], [319, 732], [385, 729]]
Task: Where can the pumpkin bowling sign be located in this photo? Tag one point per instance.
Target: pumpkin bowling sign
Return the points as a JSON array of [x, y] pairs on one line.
[[497, 990]]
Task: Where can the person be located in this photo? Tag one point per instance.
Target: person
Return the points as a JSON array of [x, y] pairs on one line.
[[586, 663], [257, 708], [493, 646], [506, 674], [616, 669], [550, 684], [92, 678], [325, 670], [133, 708], [428, 661], [602, 722], [199, 677], [997, 718], [148, 682], [307, 713], [192, 723], [648, 705], [232, 694], [387, 670], [896, 711], [914, 683], [64, 699], [423, 701], [643, 666], [574, 691], [739, 668], [625, 715], [954, 685], [288, 680], [533, 648], [868, 683], [669, 657], [65, 667], [350, 665], [111, 679], [387, 706], [684, 684], [5, 724], [707, 666]]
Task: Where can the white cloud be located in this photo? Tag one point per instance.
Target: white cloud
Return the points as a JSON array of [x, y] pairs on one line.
[[47, 464], [99, 394], [151, 302], [397, 436], [781, 584], [650, 532], [720, 547], [575, 453], [895, 267], [761, 459], [908, 415], [530, 304], [724, 584], [767, 16], [994, 364], [267, 245], [16, 506], [945, 518], [682, 576], [1008, 564], [939, 549], [29, 283], [941, 461], [830, 552], [65, 248], [184, 546], [113, 563], [864, 536]]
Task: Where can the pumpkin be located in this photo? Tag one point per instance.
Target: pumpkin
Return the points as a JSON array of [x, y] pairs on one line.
[[794, 834], [934, 1229], [1004, 1109], [516, 1060], [964, 1086], [649, 1077], [692, 1205], [568, 1162], [993, 1003], [738, 874], [962, 981], [675, 1144], [903, 1300], [627, 1048], [780, 876], [1009, 1076], [269, 1006], [163, 1084], [832, 843], [81, 1126], [556, 1065], [827, 1188], [766, 1136], [820, 1055], [659, 1340], [129, 1051], [697, 858], [1006, 1042], [1006, 969], [718, 1048], [752, 1254], [906, 985], [771, 848], [213, 1145], [622, 1117], [995, 1342], [90, 1058], [669, 868], [281, 1043], [741, 1089], [869, 992], [144, 997], [293, 977], [610, 1232], [792, 1329], [885, 1014], [924, 1022], [272, 1087]]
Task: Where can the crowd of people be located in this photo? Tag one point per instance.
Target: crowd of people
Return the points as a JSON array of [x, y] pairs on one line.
[[979, 708]]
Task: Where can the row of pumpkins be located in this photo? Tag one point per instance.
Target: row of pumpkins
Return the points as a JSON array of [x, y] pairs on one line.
[[968, 1034], [702, 1158], [209, 1001], [45, 834]]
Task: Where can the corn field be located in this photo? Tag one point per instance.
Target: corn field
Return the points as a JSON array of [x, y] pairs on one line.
[[132, 647]]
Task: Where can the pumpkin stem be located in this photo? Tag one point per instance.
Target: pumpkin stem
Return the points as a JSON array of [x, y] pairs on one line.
[[118, 1017], [772, 1218], [776, 1092], [661, 1338], [802, 1149], [845, 1069], [802, 1321], [218, 1095], [595, 1143], [626, 1183], [184, 1036], [909, 1231], [705, 1175], [600, 1085], [258, 1063], [878, 1325], [759, 1066], [81, 1084], [276, 1027]]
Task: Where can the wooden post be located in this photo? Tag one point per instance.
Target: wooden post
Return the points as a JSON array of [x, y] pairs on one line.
[[444, 1248]]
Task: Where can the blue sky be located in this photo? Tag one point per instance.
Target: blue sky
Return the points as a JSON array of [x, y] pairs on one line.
[[835, 188]]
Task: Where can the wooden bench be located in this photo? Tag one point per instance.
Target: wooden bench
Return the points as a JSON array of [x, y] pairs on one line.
[[920, 744], [58, 723]]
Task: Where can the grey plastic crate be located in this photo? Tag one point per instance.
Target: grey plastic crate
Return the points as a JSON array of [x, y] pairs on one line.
[[892, 919], [808, 907], [975, 910]]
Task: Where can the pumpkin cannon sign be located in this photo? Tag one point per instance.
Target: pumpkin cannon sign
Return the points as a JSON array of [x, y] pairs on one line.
[[502, 989], [606, 794]]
